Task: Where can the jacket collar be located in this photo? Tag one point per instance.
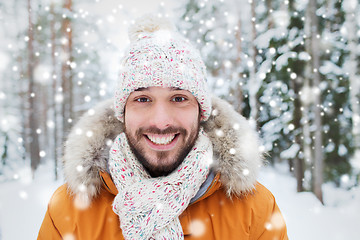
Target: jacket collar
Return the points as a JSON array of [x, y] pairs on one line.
[[235, 144]]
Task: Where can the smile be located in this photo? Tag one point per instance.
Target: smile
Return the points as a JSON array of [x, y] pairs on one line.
[[160, 139]]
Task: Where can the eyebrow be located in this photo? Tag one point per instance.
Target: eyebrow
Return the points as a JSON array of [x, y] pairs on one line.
[[145, 88], [140, 89]]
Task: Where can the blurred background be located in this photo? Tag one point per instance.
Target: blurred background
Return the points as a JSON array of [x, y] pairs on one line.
[[291, 67]]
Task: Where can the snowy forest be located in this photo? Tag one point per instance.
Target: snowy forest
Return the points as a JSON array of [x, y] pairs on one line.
[[290, 66]]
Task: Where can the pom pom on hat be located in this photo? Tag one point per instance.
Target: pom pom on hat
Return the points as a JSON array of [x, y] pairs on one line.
[[148, 24], [159, 56]]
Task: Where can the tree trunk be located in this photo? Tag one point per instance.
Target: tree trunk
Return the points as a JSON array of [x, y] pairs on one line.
[[23, 110], [4, 155], [44, 117], [34, 140], [307, 101], [269, 14], [318, 154], [23, 88], [238, 88], [253, 83], [299, 162], [66, 73], [54, 89], [297, 84]]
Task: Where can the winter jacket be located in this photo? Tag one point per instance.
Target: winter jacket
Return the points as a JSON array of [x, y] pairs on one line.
[[231, 204]]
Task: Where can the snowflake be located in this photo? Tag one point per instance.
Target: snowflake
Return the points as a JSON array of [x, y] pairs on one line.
[[82, 200], [23, 195], [81, 75], [232, 151], [197, 228], [79, 168], [42, 154], [59, 98], [69, 236], [78, 131], [276, 222], [87, 98], [89, 134]]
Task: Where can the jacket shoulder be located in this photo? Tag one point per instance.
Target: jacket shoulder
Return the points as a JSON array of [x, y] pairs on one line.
[[268, 220], [66, 205], [251, 216], [61, 203], [262, 194], [75, 214], [260, 201], [60, 196], [56, 216], [61, 191]]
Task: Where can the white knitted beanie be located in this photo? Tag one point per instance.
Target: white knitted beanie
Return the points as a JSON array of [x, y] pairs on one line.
[[160, 56]]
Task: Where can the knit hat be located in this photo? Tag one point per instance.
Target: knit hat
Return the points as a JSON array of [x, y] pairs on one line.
[[160, 56]]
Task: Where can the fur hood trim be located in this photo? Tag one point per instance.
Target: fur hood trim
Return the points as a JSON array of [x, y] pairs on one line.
[[235, 144]]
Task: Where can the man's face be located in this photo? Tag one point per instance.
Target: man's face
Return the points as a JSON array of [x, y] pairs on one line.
[[162, 125]]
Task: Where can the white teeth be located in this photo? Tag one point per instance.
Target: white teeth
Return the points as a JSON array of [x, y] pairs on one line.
[[161, 140]]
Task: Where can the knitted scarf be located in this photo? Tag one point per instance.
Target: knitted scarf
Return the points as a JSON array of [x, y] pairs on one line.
[[149, 208]]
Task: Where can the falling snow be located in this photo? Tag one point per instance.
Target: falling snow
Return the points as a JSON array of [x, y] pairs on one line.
[[321, 222], [94, 74], [197, 228]]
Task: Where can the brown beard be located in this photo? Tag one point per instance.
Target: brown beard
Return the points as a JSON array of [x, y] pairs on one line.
[[157, 171]]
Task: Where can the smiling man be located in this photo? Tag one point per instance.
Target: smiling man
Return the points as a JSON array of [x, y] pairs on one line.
[[161, 125], [166, 161]]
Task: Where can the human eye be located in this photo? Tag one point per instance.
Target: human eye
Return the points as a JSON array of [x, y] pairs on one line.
[[179, 99], [142, 99]]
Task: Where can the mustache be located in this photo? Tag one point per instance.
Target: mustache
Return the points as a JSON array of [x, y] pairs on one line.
[[154, 130]]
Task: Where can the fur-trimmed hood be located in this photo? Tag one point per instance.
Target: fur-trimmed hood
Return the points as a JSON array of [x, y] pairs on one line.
[[235, 144]]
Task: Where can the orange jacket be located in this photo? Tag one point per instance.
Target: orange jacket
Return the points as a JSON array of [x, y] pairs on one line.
[[250, 213], [213, 216]]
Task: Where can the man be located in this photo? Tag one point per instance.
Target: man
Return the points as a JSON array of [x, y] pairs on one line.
[[182, 164]]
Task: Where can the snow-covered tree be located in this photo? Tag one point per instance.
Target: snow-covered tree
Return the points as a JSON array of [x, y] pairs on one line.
[[43, 62], [293, 63], [351, 66]]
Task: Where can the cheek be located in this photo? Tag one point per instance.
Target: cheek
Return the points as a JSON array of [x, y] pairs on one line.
[[188, 118], [131, 121]]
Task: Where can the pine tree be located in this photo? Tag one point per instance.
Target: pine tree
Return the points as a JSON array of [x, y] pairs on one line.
[[351, 66]]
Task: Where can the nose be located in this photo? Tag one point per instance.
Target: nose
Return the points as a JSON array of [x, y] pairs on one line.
[[161, 115]]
